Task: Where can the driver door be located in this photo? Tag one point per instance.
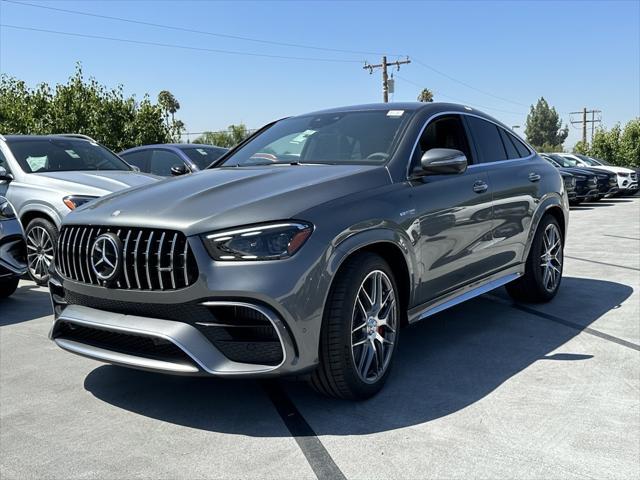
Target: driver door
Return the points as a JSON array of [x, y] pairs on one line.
[[454, 213]]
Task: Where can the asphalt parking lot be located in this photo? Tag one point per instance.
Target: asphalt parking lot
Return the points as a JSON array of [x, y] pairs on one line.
[[488, 389]]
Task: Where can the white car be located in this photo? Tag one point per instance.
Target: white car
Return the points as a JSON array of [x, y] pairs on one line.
[[627, 178]]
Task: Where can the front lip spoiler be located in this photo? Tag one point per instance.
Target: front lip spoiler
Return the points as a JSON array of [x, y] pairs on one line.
[[207, 359]]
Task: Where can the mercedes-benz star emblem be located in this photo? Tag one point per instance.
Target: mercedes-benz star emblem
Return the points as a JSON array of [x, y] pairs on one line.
[[105, 257]]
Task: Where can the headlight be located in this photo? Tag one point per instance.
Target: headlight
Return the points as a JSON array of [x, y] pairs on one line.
[[623, 175], [6, 210], [570, 181], [75, 201], [581, 177], [272, 241]]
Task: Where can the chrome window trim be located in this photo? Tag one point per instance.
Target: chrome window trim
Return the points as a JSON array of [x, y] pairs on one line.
[[440, 114]]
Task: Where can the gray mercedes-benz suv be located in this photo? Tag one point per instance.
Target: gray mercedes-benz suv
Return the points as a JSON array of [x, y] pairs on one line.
[[308, 246], [47, 176]]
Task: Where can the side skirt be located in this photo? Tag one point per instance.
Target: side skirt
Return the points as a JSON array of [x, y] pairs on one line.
[[465, 293]]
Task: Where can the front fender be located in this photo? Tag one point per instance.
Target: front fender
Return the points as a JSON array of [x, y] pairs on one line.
[[43, 209], [551, 200]]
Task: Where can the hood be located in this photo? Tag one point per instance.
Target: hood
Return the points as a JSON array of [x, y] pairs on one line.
[[95, 183], [229, 197], [613, 169], [578, 171]]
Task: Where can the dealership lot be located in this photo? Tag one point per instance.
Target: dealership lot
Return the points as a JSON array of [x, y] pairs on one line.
[[487, 389]]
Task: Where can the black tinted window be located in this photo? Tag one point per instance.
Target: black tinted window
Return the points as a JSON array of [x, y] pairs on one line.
[[523, 151], [204, 156], [512, 152], [487, 139], [3, 162], [162, 161], [444, 132], [139, 159]]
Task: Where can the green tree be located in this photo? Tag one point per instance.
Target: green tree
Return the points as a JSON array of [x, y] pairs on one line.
[[606, 145], [630, 143], [581, 147], [84, 106], [544, 127], [426, 96], [170, 106], [226, 138]]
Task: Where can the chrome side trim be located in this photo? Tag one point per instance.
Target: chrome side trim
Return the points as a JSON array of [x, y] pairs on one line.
[[275, 321], [460, 297], [124, 359]]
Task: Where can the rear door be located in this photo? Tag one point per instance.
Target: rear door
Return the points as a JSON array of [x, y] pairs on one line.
[[514, 175], [454, 217], [139, 158]]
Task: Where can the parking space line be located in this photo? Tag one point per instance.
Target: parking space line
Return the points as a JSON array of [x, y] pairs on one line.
[[602, 263], [567, 323], [318, 457], [619, 236]]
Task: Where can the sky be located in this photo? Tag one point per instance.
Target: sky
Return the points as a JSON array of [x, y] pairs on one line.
[[497, 56]]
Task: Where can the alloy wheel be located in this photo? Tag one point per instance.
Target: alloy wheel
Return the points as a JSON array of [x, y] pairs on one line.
[[551, 258], [373, 326], [39, 252]]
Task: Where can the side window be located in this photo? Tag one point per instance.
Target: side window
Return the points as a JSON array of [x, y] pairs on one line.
[[138, 159], [162, 161], [512, 152], [487, 139], [523, 150], [444, 132], [3, 162]]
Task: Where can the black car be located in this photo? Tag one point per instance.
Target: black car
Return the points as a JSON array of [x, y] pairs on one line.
[[13, 251], [586, 182], [607, 181], [570, 186]]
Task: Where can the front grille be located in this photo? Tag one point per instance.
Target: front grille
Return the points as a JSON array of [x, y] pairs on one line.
[[151, 259], [634, 177]]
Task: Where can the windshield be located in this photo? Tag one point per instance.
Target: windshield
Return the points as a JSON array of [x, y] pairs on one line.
[[63, 155], [203, 156], [357, 137], [599, 161], [551, 161], [563, 161], [588, 160]]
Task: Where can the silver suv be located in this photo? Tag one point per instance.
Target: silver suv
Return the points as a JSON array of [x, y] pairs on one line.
[[46, 177]]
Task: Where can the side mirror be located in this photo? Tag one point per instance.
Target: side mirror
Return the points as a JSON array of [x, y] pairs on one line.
[[4, 175], [178, 170], [441, 161], [135, 168]]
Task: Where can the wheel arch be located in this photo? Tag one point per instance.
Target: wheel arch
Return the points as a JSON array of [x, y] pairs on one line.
[[28, 215], [551, 206], [389, 245]]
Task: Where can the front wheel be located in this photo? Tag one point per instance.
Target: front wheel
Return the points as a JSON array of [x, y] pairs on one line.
[[41, 236], [360, 330], [543, 268]]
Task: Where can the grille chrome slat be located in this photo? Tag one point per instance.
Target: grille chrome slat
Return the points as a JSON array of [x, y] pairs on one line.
[[143, 253]]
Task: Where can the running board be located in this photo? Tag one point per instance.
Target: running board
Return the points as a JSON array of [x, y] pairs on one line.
[[441, 305]]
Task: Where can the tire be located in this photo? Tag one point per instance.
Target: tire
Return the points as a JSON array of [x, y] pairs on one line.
[[535, 286], [7, 287], [596, 198], [41, 236], [338, 374]]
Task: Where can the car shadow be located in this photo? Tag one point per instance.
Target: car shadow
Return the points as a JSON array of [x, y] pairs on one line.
[[29, 302], [578, 208], [442, 365]]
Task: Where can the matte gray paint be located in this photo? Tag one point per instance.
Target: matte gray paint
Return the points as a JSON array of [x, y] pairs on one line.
[[453, 239]]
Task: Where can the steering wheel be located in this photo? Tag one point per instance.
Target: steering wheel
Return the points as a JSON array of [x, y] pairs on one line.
[[378, 156]]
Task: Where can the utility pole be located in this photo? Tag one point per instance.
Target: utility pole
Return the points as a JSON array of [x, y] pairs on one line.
[[385, 75], [584, 122]]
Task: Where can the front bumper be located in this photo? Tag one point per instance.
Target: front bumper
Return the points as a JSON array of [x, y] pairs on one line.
[[175, 331]]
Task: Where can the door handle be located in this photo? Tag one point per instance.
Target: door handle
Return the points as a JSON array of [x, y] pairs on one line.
[[534, 177], [480, 187]]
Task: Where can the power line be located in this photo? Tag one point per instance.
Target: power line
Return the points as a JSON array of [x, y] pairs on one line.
[[468, 85], [385, 76], [584, 121], [191, 30], [171, 45], [460, 101]]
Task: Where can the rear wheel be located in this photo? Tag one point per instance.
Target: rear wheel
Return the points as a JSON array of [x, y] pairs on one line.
[[360, 330], [7, 287], [41, 236], [543, 268]]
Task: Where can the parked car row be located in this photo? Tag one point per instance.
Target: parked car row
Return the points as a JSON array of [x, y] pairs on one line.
[[302, 252], [593, 179]]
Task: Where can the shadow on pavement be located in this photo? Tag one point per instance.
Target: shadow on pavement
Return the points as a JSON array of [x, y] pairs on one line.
[[27, 303], [443, 365]]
